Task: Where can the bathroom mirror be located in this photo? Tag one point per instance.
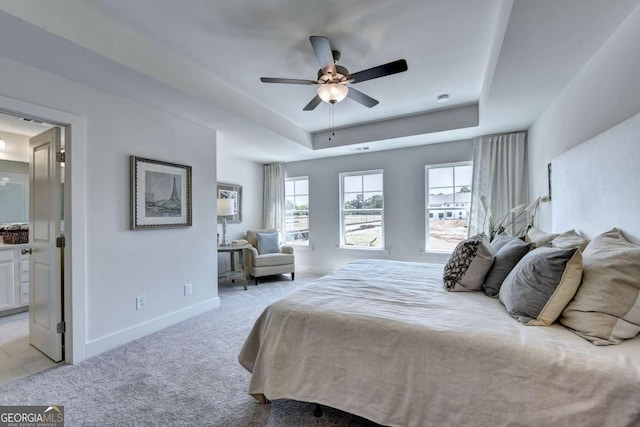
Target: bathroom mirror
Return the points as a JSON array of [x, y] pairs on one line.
[[14, 191]]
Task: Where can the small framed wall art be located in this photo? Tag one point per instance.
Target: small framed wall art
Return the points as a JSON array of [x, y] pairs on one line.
[[160, 194]]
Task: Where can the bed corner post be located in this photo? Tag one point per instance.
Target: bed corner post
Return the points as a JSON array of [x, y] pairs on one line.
[[261, 398], [317, 411]]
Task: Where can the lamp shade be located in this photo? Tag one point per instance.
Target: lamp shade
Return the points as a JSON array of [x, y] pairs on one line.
[[332, 92], [226, 207], [3, 146]]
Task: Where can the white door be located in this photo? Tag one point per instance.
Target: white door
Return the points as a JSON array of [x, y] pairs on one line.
[[45, 284]]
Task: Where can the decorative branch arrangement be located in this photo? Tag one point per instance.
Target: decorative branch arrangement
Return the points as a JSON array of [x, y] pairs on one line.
[[517, 222]]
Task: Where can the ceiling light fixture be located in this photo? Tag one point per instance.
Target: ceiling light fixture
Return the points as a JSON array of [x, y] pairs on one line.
[[443, 98], [3, 146], [332, 92], [37, 122]]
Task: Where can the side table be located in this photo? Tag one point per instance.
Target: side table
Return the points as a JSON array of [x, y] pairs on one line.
[[232, 273]]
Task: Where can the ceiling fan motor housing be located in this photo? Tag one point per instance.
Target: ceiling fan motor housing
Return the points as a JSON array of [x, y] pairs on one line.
[[341, 74]]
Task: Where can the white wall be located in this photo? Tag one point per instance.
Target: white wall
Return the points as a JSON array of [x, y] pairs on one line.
[[605, 92], [602, 203], [17, 147], [234, 170], [404, 200], [121, 264]]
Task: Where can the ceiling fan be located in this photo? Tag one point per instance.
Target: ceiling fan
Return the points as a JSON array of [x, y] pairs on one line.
[[334, 80]]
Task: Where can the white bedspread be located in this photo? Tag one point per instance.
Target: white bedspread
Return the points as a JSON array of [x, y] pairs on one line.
[[384, 340]]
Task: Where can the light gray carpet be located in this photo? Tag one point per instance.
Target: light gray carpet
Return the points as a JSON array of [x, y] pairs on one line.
[[185, 375]]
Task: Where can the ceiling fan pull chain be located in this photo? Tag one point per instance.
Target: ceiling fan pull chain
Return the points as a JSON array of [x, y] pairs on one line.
[[331, 120]]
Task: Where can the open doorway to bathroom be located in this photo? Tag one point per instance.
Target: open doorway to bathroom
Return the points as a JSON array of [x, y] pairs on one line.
[[24, 203]]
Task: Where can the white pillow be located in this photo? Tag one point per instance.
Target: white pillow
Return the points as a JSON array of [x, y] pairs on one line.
[[606, 308]]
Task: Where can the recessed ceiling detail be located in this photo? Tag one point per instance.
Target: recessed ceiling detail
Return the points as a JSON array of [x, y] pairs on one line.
[[406, 126], [508, 57]]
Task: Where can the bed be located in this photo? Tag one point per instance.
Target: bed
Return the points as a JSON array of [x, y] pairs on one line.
[[384, 340]]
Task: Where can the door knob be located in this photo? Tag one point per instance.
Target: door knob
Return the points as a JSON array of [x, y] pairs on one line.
[[26, 251]]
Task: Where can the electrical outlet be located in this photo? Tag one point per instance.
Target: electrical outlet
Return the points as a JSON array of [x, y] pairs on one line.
[[141, 302], [188, 289]]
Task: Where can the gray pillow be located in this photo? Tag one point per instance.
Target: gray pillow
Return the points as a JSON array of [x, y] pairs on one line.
[[500, 240], [542, 284], [506, 259], [539, 238], [268, 243], [570, 239], [468, 264]]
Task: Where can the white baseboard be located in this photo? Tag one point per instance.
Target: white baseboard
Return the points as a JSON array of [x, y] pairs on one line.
[[124, 336]]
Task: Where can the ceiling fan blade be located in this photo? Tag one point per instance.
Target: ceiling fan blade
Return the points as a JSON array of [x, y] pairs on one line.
[[380, 71], [287, 81], [324, 55], [313, 104], [360, 97]]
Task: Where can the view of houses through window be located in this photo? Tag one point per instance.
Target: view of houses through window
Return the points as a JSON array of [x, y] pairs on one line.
[[362, 203], [448, 204], [297, 210]]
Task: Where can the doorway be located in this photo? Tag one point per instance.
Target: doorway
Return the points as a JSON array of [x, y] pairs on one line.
[[30, 302], [75, 219]]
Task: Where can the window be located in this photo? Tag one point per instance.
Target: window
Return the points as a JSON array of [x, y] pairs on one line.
[[362, 210], [448, 201], [296, 210]]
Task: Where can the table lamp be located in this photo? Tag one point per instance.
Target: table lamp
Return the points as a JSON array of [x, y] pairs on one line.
[[225, 208]]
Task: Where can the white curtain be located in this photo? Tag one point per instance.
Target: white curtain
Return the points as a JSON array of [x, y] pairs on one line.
[[499, 179], [273, 204]]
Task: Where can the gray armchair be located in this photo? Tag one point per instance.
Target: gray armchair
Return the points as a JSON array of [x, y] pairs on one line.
[[266, 258]]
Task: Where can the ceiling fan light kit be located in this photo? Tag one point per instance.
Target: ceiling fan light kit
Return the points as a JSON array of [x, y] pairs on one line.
[[332, 92], [333, 80]]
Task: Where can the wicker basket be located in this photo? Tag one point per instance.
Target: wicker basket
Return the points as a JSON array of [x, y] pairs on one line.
[[15, 237]]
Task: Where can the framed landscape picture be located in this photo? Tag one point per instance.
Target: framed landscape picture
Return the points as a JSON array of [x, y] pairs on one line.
[[160, 194], [234, 192]]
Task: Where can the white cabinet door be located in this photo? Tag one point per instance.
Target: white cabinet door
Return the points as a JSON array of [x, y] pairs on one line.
[[23, 297], [7, 284]]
